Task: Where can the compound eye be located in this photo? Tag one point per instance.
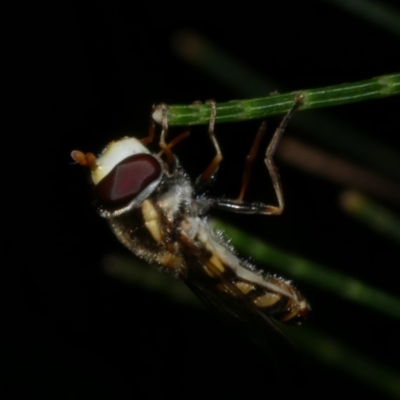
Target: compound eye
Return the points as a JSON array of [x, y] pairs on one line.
[[127, 180]]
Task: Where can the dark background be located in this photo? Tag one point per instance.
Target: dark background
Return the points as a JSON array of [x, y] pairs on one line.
[[93, 72]]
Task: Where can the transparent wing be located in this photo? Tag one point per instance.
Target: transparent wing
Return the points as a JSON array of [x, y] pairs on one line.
[[284, 361]]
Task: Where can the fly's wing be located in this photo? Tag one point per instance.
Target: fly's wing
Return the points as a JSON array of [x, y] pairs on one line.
[[286, 361]]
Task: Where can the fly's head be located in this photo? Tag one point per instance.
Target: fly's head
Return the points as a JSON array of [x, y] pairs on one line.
[[124, 174]]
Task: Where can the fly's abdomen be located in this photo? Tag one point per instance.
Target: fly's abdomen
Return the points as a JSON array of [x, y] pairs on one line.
[[237, 280], [283, 307], [278, 298]]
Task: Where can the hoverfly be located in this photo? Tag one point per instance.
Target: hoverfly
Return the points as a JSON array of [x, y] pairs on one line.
[[160, 215]]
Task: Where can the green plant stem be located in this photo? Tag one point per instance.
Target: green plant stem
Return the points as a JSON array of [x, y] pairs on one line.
[[347, 360], [372, 214], [375, 12], [241, 110]]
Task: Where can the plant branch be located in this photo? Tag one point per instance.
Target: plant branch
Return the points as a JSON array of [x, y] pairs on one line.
[[258, 108]]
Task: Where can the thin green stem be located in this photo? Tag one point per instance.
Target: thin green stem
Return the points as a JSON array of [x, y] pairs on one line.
[[348, 360], [382, 15], [241, 110], [372, 214]]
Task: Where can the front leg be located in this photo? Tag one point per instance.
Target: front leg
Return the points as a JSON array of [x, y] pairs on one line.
[[209, 173]]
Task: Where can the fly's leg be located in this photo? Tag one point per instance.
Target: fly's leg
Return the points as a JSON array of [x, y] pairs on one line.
[[150, 134], [182, 136], [176, 141], [209, 173], [240, 206], [163, 145], [250, 160], [166, 147]]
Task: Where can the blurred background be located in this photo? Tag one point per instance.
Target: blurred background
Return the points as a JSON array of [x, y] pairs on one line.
[[84, 321]]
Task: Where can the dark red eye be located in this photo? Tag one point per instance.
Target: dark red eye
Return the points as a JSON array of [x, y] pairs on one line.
[[126, 180]]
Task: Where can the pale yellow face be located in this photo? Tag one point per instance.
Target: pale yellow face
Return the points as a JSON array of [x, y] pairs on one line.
[[113, 154]]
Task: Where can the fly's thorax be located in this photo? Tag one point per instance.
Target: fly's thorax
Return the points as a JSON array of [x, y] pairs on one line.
[[174, 197]]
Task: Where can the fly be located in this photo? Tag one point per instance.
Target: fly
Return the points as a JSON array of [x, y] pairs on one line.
[[160, 215]]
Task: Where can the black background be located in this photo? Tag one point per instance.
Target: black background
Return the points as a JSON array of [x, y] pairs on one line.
[[91, 73]]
